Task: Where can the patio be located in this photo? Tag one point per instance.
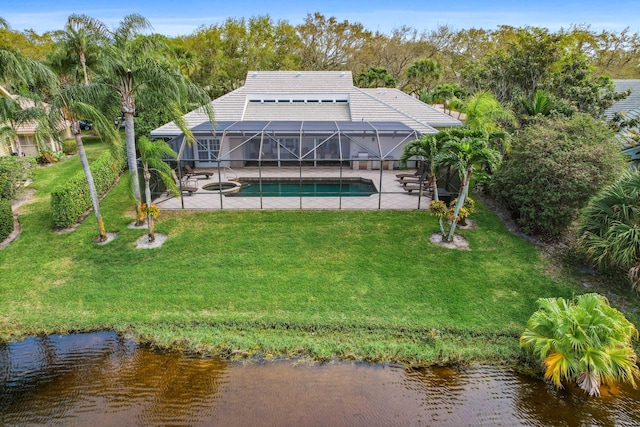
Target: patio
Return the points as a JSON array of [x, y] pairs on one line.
[[390, 196]]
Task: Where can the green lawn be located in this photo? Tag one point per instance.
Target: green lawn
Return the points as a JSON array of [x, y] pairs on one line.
[[363, 285]]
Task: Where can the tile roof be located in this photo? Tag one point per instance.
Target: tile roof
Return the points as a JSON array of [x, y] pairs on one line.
[[630, 103], [315, 95]]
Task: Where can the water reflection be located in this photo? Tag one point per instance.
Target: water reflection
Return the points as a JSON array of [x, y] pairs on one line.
[[104, 379]]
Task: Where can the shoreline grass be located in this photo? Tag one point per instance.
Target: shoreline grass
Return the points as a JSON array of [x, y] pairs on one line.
[[318, 284]]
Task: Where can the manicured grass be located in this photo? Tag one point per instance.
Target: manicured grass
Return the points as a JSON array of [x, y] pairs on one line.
[[348, 284]]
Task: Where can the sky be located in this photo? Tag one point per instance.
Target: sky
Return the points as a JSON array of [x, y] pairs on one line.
[[174, 17]]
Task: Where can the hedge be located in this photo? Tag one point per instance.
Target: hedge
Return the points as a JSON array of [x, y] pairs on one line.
[[6, 219], [71, 200], [14, 172]]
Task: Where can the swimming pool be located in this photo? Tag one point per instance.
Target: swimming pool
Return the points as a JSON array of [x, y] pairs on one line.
[[305, 187]]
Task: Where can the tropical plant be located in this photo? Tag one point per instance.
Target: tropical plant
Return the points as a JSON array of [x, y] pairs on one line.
[[465, 150], [421, 73], [584, 340], [71, 104], [484, 112], [133, 69], [445, 94], [427, 149], [610, 227], [82, 36], [152, 153], [541, 104], [376, 77]]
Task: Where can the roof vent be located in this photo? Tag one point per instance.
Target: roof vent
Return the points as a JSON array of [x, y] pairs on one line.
[[254, 75], [298, 75]]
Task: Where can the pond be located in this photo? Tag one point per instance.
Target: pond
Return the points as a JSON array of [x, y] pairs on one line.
[[104, 379]]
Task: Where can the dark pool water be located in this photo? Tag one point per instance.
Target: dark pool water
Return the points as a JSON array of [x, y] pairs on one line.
[[318, 187], [102, 379]]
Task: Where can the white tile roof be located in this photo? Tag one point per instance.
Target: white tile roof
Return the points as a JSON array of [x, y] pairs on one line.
[[348, 102]]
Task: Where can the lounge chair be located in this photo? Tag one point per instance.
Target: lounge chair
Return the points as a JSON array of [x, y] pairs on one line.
[[190, 172], [187, 184], [414, 178]]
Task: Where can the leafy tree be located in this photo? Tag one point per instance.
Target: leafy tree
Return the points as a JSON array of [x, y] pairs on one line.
[[610, 227], [328, 44], [554, 166], [71, 104], [376, 77], [223, 54], [421, 73], [152, 155], [464, 150], [584, 340]]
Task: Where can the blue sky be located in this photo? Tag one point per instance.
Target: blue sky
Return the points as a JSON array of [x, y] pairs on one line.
[[174, 17]]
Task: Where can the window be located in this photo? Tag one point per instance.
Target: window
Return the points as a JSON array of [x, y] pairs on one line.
[[208, 149]]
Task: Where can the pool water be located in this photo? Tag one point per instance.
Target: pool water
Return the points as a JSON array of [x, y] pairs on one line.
[[308, 187]]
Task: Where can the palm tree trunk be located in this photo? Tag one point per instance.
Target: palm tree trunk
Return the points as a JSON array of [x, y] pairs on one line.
[[461, 198], [83, 62], [147, 196], [132, 161], [92, 186], [436, 198]]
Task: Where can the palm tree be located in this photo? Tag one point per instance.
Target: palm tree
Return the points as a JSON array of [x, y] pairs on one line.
[[427, 148], [152, 153], [376, 77], [464, 150], [584, 340], [541, 104], [82, 36], [132, 68], [610, 227], [484, 112], [73, 103], [421, 73]]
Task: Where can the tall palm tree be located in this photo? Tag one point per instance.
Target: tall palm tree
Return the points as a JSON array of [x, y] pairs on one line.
[[152, 155], [73, 103], [82, 35], [584, 340], [427, 148], [133, 68], [610, 227], [464, 150]]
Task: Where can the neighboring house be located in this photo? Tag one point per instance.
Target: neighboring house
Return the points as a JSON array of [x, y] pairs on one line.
[[629, 108], [24, 142], [306, 118]]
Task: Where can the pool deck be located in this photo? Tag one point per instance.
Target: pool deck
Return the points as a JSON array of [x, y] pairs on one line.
[[391, 196]]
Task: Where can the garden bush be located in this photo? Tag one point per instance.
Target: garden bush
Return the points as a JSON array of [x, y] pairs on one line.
[[14, 172], [72, 199], [69, 146], [6, 219], [554, 167]]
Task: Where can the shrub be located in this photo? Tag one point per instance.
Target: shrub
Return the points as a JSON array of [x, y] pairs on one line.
[[69, 146], [554, 167], [609, 227], [584, 340], [14, 172], [6, 219], [72, 199]]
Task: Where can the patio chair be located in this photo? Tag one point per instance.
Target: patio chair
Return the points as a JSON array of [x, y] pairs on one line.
[[187, 184], [190, 172], [416, 174]]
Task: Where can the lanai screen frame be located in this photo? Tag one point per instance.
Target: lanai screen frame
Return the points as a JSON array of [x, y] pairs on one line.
[[345, 131]]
